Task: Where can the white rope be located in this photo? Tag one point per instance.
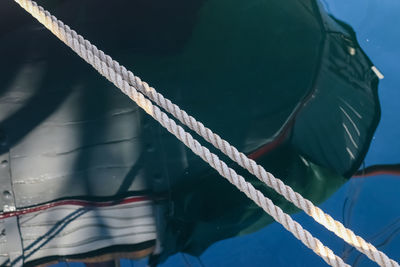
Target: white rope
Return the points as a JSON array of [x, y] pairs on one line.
[[265, 203], [127, 82]]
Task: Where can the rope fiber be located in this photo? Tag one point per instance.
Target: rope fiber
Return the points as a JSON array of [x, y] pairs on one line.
[[138, 90]]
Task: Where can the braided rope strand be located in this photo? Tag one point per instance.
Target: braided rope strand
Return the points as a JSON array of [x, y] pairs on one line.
[[278, 185], [97, 57], [193, 144], [257, 170]]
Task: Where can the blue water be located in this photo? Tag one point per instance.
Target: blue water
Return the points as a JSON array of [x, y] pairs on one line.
[[369, 206]]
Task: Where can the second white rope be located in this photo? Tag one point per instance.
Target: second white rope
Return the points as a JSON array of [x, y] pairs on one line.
[[97, 58]]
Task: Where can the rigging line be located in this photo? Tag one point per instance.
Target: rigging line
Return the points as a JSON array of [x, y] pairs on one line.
[[200, 261], [345, 250], [185, 260], [384, 243], [381, 233]]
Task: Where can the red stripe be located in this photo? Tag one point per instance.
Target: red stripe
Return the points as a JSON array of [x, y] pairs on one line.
[[282, 136], [268, 147], [379, 169], [376, 173], [75, 202]]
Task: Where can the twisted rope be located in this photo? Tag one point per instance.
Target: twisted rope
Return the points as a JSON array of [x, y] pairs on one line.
[[66, 34], [128, 83]]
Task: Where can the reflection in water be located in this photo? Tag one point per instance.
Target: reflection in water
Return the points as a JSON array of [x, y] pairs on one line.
[[379, 169], [282, 81], [381, 238]]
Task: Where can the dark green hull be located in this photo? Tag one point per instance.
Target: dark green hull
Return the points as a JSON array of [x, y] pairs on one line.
[[281, 80]]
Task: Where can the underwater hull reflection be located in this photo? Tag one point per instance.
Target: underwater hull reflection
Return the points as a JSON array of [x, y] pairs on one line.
[[77, 228], [292, 89]]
